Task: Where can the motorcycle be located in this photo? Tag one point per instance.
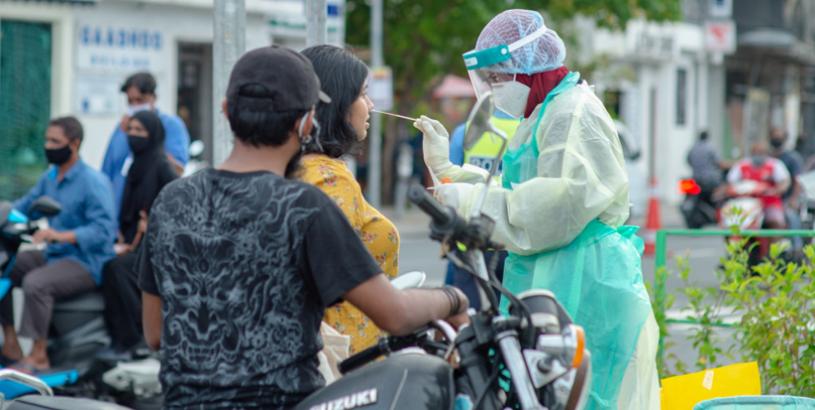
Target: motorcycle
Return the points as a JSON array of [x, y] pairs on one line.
[[696, 210], [197, 162], [45, 399], [807, 202], [77, 332], [532, 357], [744, 211]]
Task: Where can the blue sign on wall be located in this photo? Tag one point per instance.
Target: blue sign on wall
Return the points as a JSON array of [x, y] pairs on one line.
[[97, 36]]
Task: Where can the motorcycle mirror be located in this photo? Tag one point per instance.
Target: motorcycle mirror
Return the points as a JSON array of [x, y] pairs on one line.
[[478, 123], [196, 148], [5, 210], [46, 206], [409, 280]]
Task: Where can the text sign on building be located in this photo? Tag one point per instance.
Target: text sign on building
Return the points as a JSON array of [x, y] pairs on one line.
[[720, 36], [118, 49]]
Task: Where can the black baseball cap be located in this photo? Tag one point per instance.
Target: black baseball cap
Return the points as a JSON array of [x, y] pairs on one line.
[[283, 78]]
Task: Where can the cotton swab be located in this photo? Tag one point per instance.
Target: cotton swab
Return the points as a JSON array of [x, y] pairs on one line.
[[395, 115]]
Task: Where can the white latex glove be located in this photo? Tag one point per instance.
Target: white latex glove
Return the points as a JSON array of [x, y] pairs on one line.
[[435, 145], [436, 152], [457, 195]]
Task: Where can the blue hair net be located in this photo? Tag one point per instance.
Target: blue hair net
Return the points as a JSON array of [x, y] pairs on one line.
[[546, 53]]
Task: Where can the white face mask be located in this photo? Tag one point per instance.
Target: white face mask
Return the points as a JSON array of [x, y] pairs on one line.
[[510, 97], [132, 109]]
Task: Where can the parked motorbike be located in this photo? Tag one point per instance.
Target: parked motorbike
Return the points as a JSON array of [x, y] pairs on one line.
[[696, 210], [532, 357], [78, 329]]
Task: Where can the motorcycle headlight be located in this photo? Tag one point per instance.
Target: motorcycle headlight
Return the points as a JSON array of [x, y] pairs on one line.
[[561, 344], [546, 312]]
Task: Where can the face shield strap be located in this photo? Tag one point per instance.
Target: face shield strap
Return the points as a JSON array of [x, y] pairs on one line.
[[479, 59], [528, 39]]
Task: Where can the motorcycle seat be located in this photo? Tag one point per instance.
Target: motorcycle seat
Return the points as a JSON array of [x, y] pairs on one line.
[[58, 403], [85, 302]]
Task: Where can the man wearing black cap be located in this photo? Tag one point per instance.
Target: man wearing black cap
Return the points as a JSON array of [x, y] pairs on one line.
[[239, 263]]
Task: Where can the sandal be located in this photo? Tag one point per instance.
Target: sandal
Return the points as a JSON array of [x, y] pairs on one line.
[[28, 368], [6, 361]]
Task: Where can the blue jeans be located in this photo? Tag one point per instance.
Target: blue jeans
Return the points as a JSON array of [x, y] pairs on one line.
[[464, 280]]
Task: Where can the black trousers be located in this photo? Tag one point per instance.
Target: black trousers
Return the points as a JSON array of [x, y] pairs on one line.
[[122, 301]]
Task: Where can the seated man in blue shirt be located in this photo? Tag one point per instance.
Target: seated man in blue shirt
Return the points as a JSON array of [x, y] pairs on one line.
[[140, 89], [80, 240]]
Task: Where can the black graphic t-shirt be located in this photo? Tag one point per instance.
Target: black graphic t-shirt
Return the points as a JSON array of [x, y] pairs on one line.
[[245, 264]]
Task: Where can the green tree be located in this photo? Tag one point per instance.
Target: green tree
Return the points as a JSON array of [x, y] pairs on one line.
[[424, 39]]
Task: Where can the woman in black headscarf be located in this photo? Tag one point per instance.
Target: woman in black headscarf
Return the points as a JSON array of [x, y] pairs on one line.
[[148, 174]]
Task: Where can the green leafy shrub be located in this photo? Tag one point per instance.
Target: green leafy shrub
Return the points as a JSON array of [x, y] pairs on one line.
[[775, 301]]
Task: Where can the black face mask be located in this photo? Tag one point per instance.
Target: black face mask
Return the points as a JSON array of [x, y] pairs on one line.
[[58, 156], [777, 143], [138, 144]]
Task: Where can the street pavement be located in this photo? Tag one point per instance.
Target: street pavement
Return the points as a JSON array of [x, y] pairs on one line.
[[418, 252]]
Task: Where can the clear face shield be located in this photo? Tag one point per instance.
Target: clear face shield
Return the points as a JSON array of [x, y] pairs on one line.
[[489, 75]]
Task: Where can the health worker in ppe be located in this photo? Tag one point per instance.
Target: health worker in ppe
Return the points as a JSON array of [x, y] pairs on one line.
[[562, 204]]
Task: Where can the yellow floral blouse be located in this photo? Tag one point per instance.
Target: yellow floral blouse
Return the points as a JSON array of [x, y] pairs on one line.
[[377, 232]]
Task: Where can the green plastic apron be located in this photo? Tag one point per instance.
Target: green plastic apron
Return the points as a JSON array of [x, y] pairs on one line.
[[597, 277]]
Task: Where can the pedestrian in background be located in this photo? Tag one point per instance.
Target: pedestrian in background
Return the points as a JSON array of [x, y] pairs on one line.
[[140, 89], [149, 173]]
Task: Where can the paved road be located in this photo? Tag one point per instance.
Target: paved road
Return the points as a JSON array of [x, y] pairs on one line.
[[418, 252]]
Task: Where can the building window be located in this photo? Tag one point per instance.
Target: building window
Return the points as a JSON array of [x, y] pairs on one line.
[[681, 96]]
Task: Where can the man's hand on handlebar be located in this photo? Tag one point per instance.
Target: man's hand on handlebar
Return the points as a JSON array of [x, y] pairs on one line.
[[461, 318], [51, 236]]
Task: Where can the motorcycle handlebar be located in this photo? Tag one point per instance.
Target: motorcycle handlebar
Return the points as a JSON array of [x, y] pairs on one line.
[[368, 355], [384, 346], [437, 211]]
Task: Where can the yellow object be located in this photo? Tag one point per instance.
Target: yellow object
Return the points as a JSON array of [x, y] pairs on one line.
[[683, 392], [488, 147], [377, 232]]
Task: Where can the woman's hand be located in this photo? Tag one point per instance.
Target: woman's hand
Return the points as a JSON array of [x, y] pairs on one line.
[[122, 248], [141, 229]]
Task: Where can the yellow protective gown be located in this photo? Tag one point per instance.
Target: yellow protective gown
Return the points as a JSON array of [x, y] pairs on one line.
[[579, 179]]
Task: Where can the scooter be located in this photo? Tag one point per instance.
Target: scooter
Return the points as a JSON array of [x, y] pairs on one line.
[[196, 163], [696, 211], [78, 329], [745, 211], [44, 399], [532, 357]]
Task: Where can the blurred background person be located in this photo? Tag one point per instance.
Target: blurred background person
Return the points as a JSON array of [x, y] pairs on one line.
[[140, 89], [149, 173], [79, 241]]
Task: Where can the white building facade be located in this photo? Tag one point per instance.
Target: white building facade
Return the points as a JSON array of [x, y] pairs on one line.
[[96, 44], [660, 77]]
